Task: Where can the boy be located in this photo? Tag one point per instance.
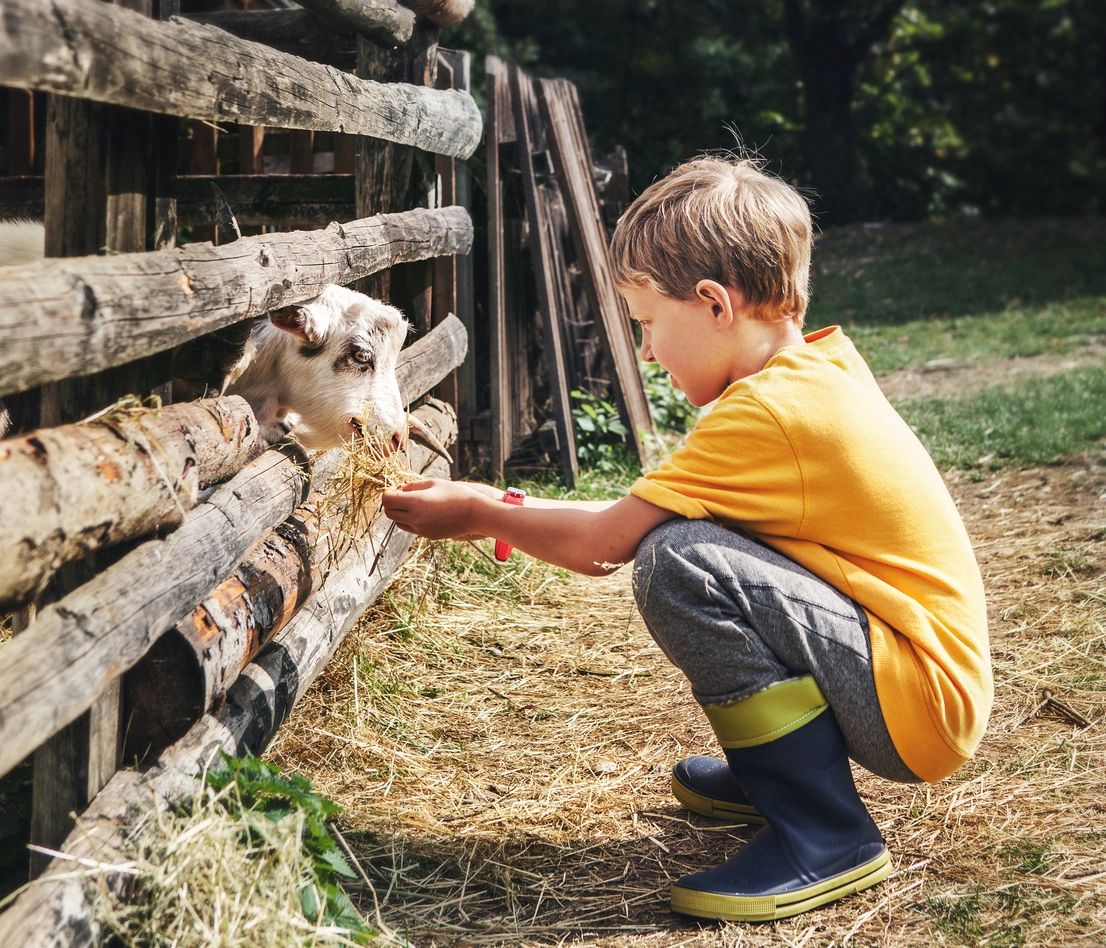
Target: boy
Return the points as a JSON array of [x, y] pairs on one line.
[[799, 559]]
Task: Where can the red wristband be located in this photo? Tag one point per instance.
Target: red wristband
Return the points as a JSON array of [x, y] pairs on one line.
[[514, 496]]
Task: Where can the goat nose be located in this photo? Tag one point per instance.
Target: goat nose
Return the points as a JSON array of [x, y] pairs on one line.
[[396, 441]]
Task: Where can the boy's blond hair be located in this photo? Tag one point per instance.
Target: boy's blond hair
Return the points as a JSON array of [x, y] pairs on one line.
[[719, 219]]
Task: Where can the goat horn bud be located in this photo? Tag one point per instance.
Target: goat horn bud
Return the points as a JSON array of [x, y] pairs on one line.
[[420, 433]]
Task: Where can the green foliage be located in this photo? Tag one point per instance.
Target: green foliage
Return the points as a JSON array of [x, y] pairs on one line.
[[600, 434], [994, 108], [263, 788], [1041, 421], [672, 412]]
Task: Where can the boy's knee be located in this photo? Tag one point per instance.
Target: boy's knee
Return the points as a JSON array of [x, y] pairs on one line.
[[661, 556]]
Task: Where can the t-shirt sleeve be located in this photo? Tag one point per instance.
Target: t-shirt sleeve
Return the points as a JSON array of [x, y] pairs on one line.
[[737, 466]]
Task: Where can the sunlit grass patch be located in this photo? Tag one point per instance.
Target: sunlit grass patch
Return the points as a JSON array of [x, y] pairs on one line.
[[967, 290], [1040, 421]]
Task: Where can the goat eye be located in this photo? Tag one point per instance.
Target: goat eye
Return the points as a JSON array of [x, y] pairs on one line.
[[362, 356]]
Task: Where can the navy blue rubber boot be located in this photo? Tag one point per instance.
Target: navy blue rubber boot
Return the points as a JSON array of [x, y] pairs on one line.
[[819, 842], [705, 785]]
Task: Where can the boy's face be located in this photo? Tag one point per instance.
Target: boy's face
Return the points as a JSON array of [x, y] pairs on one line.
[[683, 338]]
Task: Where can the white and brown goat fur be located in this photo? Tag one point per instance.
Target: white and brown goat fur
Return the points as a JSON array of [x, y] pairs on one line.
[[327, 368]]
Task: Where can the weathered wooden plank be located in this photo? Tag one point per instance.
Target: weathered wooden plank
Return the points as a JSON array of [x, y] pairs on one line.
[[63, 317], [74, 648], [102, 52], [502, 430], [251, 142], [382, 169], [572, 161], [301, 152], [305, 35], [263, 199], [190, 668], [88, 486], [526, 117], [443, 13], [56, 912]]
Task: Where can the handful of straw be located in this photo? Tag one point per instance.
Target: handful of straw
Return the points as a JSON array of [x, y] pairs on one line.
[[353, 493]]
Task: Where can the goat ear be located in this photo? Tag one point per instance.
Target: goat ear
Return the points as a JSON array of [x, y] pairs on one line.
[[297, 321]]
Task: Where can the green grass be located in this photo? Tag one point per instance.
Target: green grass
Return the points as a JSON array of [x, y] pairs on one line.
[[1039, 421], [964, 290]]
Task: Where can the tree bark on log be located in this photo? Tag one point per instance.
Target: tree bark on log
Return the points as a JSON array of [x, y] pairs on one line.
[[190, 668], [106, 53], [88, 486], [56, 912], [364, 16], [443, 13], [60, 317], [74, 648]]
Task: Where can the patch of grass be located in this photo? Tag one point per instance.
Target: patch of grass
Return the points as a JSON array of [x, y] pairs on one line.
[[964, 290], [1040, 422], [1029, 856], [250, 860], [1068, 562]]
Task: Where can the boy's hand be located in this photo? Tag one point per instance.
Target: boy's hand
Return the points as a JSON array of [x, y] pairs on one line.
[[435, 509]]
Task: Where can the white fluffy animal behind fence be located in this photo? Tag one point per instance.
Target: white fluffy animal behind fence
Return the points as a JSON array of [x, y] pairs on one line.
[[324, 369]]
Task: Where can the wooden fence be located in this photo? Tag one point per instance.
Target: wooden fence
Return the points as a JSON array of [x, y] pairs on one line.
[[181, 584]]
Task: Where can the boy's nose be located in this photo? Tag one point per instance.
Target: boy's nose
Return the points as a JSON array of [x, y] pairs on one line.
[[647, 353]]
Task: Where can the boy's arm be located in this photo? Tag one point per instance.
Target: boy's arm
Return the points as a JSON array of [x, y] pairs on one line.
[[592, 537]]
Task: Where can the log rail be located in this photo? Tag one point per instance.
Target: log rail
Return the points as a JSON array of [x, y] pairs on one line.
[[56, 911], [109, 54], [66, 316]]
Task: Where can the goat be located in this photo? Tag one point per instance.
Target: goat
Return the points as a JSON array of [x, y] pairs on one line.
[[325, 368]]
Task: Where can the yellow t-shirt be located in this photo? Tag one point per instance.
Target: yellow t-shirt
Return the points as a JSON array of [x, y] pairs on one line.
[[808, 456]]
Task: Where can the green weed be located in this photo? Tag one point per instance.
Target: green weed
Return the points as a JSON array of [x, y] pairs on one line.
[[263, 788]]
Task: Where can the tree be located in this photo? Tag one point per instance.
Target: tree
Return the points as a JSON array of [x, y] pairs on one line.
[[831, 41]]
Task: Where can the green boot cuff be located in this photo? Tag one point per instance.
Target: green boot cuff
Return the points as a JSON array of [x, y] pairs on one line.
[[767, 715]]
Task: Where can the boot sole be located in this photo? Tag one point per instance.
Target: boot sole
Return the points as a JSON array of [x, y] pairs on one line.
[[767, 908], [715, 809]]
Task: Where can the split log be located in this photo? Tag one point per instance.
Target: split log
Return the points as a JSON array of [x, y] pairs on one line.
[[443, 13], [87, 486], [56, 912], [74, 648], [64, 316], [190, 669], [308, 36], [107, 53]]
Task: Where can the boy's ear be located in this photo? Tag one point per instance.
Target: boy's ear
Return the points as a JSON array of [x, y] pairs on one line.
[[718, 298]]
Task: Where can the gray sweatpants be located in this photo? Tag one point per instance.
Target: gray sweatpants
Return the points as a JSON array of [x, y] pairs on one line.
[[736, 616]]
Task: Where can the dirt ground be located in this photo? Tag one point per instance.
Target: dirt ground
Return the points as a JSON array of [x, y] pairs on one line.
[[504, 768]]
